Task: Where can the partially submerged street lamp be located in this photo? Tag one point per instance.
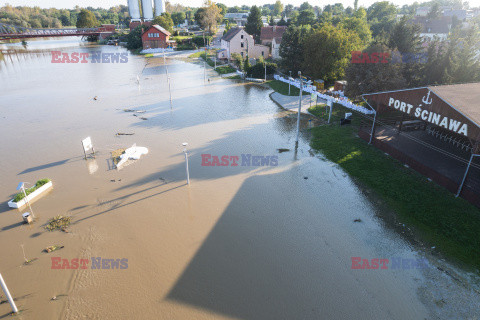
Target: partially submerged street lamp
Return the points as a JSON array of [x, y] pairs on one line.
[[185, 144]]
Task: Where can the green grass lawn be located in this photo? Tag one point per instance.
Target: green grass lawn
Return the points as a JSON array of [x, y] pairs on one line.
[[220, 69], [282, 88], [450, 224]]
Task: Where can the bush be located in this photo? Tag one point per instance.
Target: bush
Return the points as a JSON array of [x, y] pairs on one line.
[[258, 70]]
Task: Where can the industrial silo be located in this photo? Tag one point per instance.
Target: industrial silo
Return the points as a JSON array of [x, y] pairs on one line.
[[134, 10], [147, 8], [159, 7]]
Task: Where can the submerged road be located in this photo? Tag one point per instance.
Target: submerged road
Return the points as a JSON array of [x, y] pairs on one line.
[[271, 241]]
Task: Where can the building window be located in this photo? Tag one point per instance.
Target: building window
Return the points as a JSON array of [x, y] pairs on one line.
[[241, 37], [241, 53], [262, 53], [241, 44]]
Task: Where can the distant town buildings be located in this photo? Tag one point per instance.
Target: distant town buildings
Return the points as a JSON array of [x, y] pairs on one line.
[[272, 36], [431, 28]]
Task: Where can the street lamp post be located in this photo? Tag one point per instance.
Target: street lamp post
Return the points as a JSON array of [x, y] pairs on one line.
[[186, 161], [289, 82], [299, 108]]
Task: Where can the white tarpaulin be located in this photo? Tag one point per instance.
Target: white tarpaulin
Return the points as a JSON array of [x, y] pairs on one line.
[[132, 153], [342, 100]]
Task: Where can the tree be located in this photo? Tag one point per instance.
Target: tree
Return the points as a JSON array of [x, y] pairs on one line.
[[277, 8], [405, 37], [208, 16], [382, 17], [178, 18], [305, 17], [165, 21], [223, 8], [288, 10], [291, 48], [327, 52], [434, 12], [373, 77], [254, 22], [282, 22], [360, 27], [305, 6], [86, 19]]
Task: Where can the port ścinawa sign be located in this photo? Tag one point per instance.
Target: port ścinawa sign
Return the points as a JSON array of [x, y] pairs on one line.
[[423, 104]]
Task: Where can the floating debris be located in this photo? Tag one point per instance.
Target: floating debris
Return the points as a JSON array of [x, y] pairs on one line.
[[136, 111], [357, 220], [95, 98], [125, 134], [143, 118], [116, 155], [56, 297], [58, 222], [29, 261], [282, 150], [305, 178], [52, 248]]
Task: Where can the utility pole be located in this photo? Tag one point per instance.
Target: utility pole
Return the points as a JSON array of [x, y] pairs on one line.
[[299, 108]]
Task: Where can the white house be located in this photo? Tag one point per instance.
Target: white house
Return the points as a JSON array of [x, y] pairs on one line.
[[237, 40], [276, 48]]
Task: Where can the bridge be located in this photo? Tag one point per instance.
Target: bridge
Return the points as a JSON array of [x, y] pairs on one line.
[[15, 32]]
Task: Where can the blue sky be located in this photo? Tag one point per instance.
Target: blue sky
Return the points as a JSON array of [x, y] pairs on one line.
[[193, 3]]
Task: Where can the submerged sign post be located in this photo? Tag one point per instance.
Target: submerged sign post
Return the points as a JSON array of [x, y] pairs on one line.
[[87, 145]]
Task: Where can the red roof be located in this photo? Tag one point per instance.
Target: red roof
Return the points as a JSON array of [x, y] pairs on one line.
[[270, 32], [157, 27]]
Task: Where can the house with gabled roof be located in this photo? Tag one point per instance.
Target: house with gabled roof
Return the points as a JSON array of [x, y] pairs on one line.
[[237, 40]]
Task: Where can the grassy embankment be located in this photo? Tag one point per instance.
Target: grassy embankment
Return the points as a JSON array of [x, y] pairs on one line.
[[220, 69], [450, 224]]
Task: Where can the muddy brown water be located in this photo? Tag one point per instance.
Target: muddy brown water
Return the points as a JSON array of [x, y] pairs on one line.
[[240, 242]]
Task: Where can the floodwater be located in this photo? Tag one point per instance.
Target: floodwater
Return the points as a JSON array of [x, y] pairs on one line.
[[241, 242]]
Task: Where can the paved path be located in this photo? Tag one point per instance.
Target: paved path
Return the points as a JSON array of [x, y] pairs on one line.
[[291, 102]]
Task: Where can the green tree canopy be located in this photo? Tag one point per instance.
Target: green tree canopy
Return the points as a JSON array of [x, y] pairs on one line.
[[328, 51], [277, 8], [165, 21], [178, 18], [291, 48], [254, 22], [86, 19], [305, 17], [374, 77]]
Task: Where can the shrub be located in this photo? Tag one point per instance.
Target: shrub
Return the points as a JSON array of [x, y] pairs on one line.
[[19, 196]]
